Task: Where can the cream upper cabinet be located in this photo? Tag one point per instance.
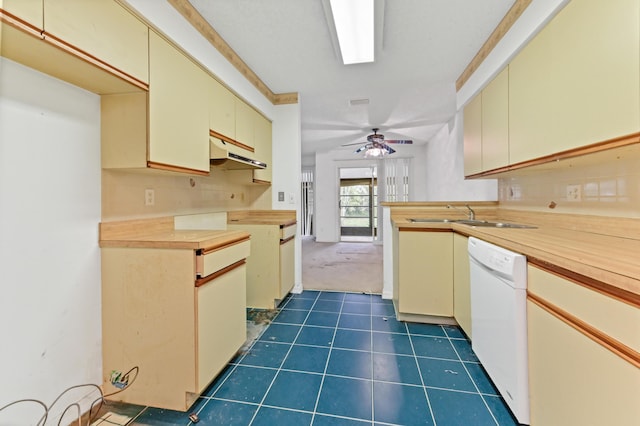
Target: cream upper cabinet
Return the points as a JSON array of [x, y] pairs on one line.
[[576, 83], [222, 113], [461, 283], [495, 122], [178, 108], [263, 147], [575, 335], [245, 122], [27, 10], [425, 273], [473, 136], [103, 29]]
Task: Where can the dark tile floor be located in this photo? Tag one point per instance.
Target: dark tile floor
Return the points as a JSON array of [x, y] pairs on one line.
[[337, 359]]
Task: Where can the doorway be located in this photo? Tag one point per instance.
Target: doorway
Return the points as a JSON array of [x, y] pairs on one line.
[[358, 204]]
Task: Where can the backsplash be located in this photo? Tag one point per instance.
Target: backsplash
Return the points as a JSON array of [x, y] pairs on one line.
[[603, 184], [123, 193]]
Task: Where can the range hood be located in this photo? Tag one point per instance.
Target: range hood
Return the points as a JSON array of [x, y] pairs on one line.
[[222, 157]]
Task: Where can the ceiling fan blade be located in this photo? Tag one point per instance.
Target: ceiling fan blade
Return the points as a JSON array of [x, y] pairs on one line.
[[388, 149], [400, 141], [350, 144], [359, 150]]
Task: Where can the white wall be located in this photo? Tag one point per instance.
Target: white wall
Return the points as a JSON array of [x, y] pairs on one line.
[[326, 185], [50, 330], [445, 169], [287, 169]]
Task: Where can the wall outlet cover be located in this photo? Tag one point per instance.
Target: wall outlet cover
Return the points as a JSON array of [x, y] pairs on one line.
[[280, 195], [574, 192]]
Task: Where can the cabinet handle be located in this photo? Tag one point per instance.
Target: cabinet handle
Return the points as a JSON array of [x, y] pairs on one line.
[[202, 281]]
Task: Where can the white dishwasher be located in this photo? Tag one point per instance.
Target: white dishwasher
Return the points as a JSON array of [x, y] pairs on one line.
[[499, 320]]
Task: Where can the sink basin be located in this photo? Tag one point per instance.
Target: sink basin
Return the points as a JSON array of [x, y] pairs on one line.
[[488, 224], [429, 220]]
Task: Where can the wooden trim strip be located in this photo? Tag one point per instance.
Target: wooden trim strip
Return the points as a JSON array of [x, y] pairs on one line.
[[224, 246], [283, 242], [619, 142], [202, 281], [191, 14], [618, 348], [87, 57], [170, 168], [617, 293], [503, 26], [227, 139], [261, 182], [286, 98], [20, 24], [403, 229]]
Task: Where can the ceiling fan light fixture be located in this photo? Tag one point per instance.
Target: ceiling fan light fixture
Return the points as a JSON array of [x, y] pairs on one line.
[[375, 152], [354, 27]]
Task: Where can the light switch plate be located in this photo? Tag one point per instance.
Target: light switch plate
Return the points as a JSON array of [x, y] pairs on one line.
[[280, 195]]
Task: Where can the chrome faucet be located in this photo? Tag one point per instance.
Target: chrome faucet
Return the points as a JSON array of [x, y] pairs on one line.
[[472, 214]]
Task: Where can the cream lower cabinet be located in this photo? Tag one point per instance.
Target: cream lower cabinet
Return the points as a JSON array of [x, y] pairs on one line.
[[584, 365], [179, 330], [270, 269], [461, 283], [424, 285]]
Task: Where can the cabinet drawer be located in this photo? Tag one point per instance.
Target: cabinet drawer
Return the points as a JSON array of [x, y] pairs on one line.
[[209, 262], [613, 317], [288, 232]]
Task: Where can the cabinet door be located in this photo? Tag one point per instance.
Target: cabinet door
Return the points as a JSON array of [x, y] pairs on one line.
[[178, 108], [473, 136], [495, 122], [222, 114], [245, 122], [576, 83], [574, 380], [287, 267], [27, 10], [425, 273], [221, 323], [104, 29], [263, 148], [461, 283]]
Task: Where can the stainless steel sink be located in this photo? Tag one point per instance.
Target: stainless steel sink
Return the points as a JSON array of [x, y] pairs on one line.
[[488, 224], [430, 220]]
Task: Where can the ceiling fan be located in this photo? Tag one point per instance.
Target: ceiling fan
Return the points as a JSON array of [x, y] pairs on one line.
[[377, 146]]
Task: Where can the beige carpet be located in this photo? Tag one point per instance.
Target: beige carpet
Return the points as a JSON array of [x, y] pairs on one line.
[[345, 266]]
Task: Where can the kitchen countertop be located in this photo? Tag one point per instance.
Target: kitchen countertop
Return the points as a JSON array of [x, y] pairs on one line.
[[160, 233], [282, 218], [610, 260]]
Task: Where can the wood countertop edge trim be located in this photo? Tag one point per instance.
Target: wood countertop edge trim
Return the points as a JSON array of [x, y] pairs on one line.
[[605, 289], [613, 345], [225, 244]]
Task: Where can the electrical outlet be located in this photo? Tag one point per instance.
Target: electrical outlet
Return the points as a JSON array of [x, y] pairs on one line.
[[149, 197], [280, 195], [574, 193]]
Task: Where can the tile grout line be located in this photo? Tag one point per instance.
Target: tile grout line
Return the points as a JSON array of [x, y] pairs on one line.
[[470, 377], [260, 405], [326, 364], [424, 387]]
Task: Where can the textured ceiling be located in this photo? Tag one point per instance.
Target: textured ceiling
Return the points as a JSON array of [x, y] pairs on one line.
[[422, 47]]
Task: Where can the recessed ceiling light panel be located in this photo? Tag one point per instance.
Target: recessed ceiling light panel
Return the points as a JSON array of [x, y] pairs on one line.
[[354, 26]]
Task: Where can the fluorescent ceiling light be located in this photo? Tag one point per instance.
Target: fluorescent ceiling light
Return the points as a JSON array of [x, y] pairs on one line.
[[354, 27]]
